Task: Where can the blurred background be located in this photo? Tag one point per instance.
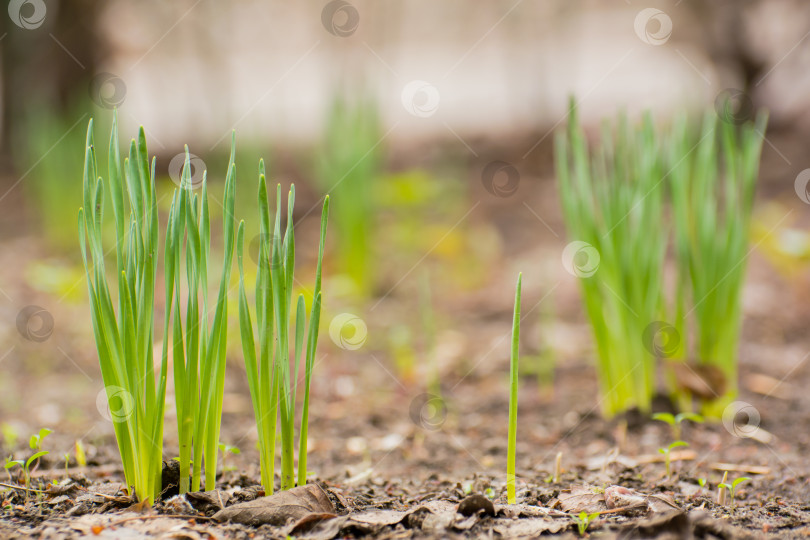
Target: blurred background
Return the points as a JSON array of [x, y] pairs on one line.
[[431, 125]]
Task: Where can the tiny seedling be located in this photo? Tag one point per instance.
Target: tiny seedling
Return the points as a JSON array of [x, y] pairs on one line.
[[35, 442], [675, 421], [26, 467], [732, 487], [513, 397], [584, 520], [701, 482], [228, 449], [667, 451], [490, 493]]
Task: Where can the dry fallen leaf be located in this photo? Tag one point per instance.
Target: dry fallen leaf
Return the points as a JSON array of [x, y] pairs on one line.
[[278, 509], [581, 499]]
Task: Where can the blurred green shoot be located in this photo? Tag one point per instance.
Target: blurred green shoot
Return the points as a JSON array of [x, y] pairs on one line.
[[9, 434], [612, 200], [49, 152], [513, 396], [712, 184], [675, 421], [584, 520], [81, 455], [351, 160], [273, 387], [428, 318], [228, 449], [401, 346]]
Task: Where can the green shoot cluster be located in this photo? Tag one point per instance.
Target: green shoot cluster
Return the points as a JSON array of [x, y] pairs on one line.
[[614, 201], [273, 385]]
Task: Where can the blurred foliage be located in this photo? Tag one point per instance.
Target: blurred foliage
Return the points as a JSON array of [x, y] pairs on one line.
[[424, 216], [49, 158], [348, 166], [786, 247]]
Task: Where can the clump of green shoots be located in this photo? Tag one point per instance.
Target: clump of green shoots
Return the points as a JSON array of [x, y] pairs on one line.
[[731, 488], [513, 396], [273, 387], [584, 520], [675, 421], [30, 465], [667, 451], [124, 336], [712, 185], [612, 200], [198, 350]]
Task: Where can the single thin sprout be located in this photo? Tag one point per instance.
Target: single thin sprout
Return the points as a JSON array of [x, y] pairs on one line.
[[426, 313], [513, 396], [558, 467]]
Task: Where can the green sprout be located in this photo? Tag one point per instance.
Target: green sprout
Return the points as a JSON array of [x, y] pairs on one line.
[[732, 487], [701, 482], [198, 350], [584, 520], [513, 396], [272, 386], [667, 451], [228, 449], [675, 420], [26, 466], [712, 184], [124, 338], [613, 202]]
